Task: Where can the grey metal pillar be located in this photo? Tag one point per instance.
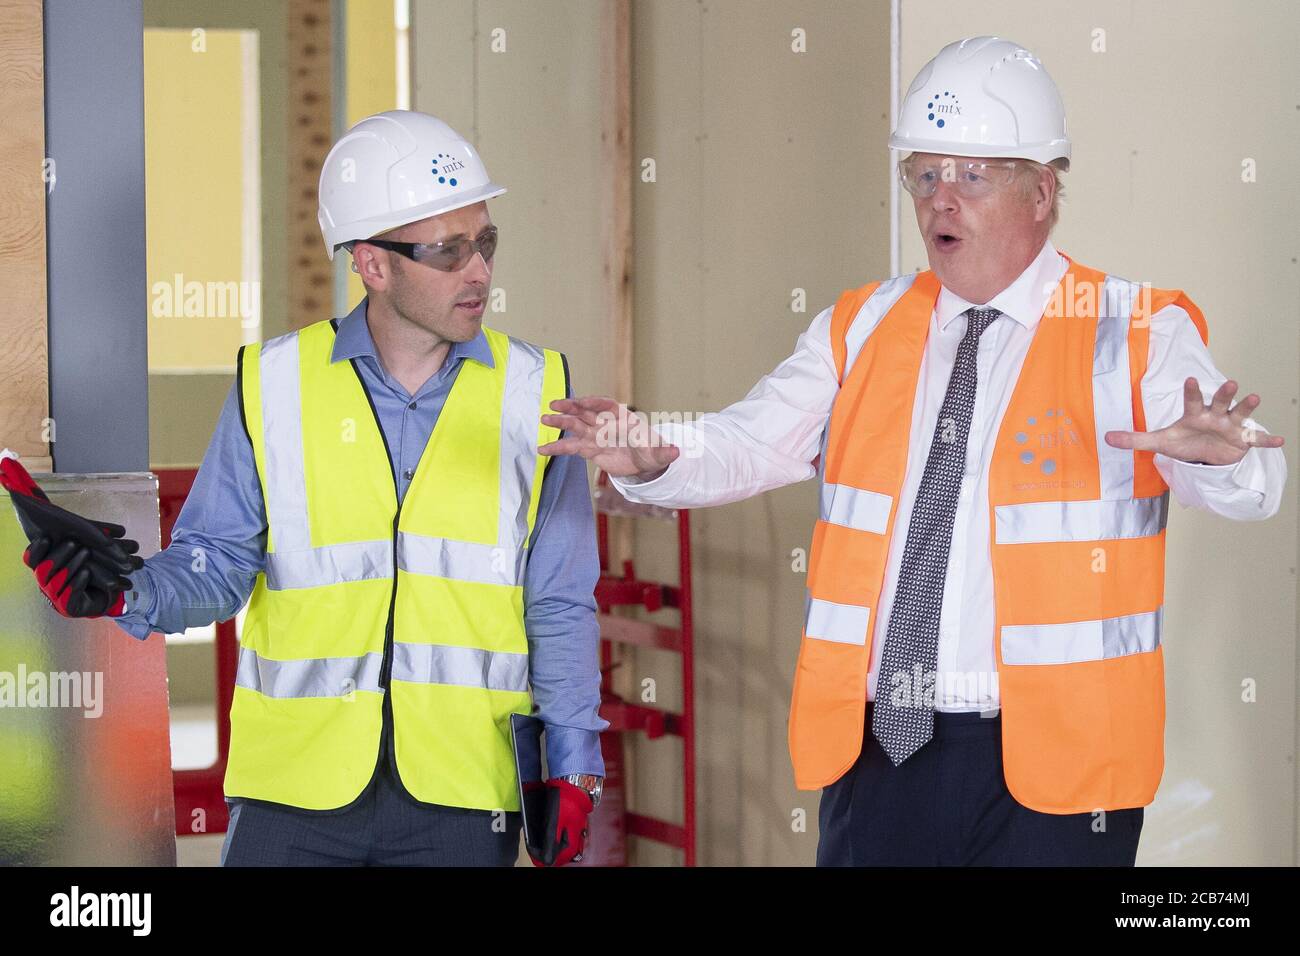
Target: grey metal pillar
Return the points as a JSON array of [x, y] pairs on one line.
[[98, 296]]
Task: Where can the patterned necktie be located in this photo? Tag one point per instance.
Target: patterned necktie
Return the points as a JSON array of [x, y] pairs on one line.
[[903, 715]]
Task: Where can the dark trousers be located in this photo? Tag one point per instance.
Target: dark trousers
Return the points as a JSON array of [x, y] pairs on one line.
[[385, 826], [948, 805]]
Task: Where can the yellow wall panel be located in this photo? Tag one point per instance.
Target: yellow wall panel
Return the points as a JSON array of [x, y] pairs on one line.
[[194, 197]]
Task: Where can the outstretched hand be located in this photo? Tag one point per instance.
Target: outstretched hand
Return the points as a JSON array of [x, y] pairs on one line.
[[618, 440], [1211, 434]]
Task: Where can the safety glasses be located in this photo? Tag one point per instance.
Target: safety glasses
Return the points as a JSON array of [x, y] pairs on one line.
[[450, 256], [971, 178]]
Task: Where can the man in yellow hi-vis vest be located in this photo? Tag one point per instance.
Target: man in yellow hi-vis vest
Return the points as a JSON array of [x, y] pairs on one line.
[[416, 567], [980, 677]]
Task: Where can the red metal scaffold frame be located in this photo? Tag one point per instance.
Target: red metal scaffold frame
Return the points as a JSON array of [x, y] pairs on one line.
[[630, 591], [201, 789]]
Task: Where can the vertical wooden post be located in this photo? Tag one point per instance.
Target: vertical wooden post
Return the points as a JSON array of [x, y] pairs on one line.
[[616, 224], [24, 360], [616, 162], [616, 158], [310, 51]]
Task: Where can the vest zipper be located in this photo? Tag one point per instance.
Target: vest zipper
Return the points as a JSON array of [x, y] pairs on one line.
[[387, 747], [386, 666]]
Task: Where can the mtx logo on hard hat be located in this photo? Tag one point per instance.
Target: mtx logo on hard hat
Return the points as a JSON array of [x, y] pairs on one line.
[[948, 104], [445, 163]]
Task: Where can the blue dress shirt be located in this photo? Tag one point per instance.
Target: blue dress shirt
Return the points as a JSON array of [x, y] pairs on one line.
[[218, 547]]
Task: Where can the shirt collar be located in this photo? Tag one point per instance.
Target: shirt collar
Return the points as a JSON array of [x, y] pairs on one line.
[[352, 339], [1024, 300]]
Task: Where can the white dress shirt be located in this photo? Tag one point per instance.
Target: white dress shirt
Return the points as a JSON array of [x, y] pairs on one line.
[[772, 436]]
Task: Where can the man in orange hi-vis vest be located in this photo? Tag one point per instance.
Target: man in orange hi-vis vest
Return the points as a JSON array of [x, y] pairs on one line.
[[980, 678]]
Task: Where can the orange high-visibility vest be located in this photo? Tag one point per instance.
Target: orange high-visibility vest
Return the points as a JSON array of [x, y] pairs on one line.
[[1077, 543]]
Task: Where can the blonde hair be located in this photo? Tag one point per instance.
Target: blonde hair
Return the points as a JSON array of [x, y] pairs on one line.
[[1029, 184]]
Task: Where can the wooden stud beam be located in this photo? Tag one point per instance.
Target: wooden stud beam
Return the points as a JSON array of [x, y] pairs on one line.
[[310, 52], [616, 158], [616, 162], [24, 330]]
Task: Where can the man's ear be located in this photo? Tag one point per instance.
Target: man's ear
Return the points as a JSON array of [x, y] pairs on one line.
[[1044, 194], [371, 266]]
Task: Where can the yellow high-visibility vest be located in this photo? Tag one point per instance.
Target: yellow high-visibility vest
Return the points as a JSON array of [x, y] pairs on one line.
[[361, 598]]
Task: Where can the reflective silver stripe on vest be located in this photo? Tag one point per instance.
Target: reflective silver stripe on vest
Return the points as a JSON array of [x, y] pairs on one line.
[[1112, 389], [312, 677], [520, 421], [416, 554], [855, 508], [1082, 640], [462, 666], [843, 623], [331, 564], [295, 564], [286, 484], [1036, 522], [869, 316], [460, 560]]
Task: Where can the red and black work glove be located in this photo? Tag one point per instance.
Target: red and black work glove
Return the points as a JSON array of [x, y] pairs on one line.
[[80, 564], [567, 809], [74, 583], [41, 518]]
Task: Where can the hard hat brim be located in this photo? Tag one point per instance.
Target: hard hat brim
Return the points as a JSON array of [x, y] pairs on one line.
[[369, 228], [1038, 152]]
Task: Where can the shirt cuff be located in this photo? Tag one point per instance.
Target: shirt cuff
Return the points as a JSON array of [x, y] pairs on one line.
[[139, 604], [572, 750], [1246, 474], [664, 486], [631, 481]]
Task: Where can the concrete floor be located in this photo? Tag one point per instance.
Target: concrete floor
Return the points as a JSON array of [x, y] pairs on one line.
[[202, 850]]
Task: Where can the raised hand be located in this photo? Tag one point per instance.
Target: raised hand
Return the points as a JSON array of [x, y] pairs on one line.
[[618, 440], [40, 517], [1211, 434]]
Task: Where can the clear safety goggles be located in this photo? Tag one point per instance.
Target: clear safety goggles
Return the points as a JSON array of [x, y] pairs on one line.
[[449, 256], [971, 178]]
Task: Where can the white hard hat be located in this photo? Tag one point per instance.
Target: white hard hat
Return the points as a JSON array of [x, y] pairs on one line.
[[393, 168], [984, 96]]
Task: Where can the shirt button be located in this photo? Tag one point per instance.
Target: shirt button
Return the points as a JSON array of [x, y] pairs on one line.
[[408, 474], [411, 406]]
